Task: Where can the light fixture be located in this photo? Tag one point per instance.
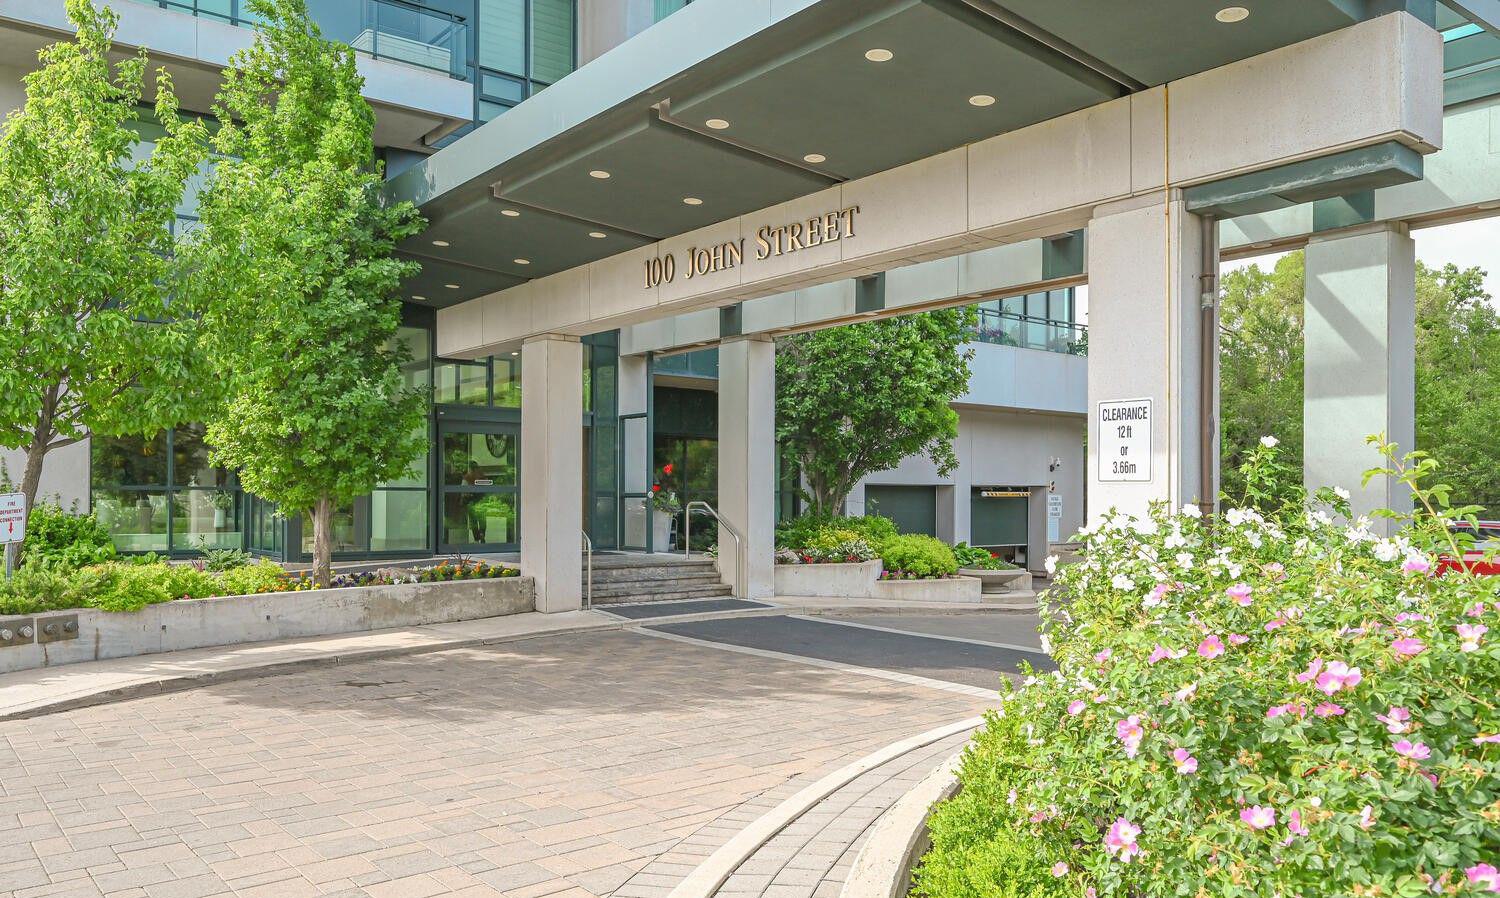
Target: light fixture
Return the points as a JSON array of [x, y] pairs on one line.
[[522, 261], [513, 352], [717, 124], [1488, 206], [981, 100], [598, 235], [879, 54], [451, 286], [599, 173], [417, 298], [510, 213], [814, 158], [692, 201], [1232, 14], [439, 243]]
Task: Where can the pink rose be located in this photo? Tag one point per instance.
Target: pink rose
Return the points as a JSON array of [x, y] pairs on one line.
[[1328, 709], [1416, 751], [1184, 761], [1395, 720], [1060, 869], [1484, 876], [1238, 639], [1076, 706], [1258, 818], [1240, 593], [1470, 634], [1408, 646], [1211, 648], [1120, 841], [1130, 732]]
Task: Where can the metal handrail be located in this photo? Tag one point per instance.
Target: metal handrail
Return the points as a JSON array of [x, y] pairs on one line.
[[687, 536], [588, 559]]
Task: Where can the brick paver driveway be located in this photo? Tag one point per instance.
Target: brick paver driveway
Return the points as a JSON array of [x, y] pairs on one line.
[[561, 766]]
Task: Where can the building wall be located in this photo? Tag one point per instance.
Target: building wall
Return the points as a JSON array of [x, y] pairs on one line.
[[997, 448], [65, 474]]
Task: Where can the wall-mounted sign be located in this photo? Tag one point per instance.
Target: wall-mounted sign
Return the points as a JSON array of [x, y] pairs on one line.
[[1125, 441], [771, 240], [1005, 494], [12, 517]]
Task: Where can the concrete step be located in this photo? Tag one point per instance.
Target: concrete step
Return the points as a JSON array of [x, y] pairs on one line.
[[702, 592], [614, 575], [653, 586]]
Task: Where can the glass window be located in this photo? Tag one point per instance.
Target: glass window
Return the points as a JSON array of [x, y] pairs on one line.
[[416, 371], [502, 35], [507, 374], [190, 466], [344, 531], [462, 383], [206, 519], [130, 461], [398, 520], [502, 88], [664, 8], [479, 459], [136, 519], [551, 39], [479, 519]]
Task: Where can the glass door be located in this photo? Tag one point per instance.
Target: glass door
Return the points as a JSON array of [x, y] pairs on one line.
[[480, 487]]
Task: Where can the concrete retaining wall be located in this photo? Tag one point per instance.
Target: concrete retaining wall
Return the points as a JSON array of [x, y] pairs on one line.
[[862, 581], [848, 581], [201, 623]]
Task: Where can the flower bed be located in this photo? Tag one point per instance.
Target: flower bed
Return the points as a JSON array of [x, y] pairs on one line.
[[1279, 705], [133, 584]]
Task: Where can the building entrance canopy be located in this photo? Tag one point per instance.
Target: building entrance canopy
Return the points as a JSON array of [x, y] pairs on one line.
[[729, 106]]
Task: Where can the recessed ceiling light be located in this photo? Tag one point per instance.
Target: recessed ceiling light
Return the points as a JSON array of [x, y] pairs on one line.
[[522, 261], [814, 158], [599, 173], [1231, 14], [981, 100], [418, 298], [879, 54], [510, 213], [451, 286], [692, 201], [439, 243], [598, 235], [717, 124]]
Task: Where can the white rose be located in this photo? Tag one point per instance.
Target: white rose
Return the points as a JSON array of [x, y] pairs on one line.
[[1269, 442], [1051, 565]]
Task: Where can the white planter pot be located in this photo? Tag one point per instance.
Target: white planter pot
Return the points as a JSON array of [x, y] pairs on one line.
[[661, 531], [954, 589]]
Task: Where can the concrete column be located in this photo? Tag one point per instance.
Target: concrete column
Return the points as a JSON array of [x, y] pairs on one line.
[[1144, 265], [747, 463], [1360, 367], [552, 470], [634, 384]]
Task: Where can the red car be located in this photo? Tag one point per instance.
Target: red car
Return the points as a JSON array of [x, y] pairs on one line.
[[1486, 537]]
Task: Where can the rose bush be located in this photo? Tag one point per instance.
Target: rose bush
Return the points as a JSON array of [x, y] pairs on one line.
[[1276, 702]]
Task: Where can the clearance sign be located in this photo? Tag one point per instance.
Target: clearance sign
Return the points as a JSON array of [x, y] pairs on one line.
[[1125, 441]]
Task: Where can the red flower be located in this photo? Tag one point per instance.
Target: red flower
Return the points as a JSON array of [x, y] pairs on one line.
[[655, 487], [666, 469]]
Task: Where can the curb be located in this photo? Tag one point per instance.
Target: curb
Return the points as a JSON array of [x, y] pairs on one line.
[[883, 867], [706, 879], [179, 682]]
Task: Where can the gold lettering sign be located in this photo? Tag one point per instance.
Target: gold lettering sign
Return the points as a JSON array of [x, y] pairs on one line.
[[769, 241], [1005, 494]]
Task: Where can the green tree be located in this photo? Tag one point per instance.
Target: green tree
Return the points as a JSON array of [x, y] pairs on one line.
[[1260, 364], [1458, 376], [294, 232], [90, 342], [859, 398]]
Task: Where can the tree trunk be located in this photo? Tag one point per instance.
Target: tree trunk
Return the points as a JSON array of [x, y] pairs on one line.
[[36, 454], [322, 515]]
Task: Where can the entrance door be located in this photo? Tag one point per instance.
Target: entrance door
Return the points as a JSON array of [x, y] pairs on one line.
[[480, 487]]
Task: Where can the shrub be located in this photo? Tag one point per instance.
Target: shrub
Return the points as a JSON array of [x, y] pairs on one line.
[[57, 539], [799, 532], [918, 556], [838, 547], [39, 589], [131, 587], [220, 560], [1279, 705], [249, 579], [978, 559]]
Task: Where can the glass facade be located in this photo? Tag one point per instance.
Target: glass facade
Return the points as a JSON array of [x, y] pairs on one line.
[[162, 494], [1033, 321]]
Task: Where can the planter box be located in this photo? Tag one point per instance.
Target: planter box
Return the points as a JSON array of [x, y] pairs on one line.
[[999, 582], [958, 589], [201, 623], [849, 581]]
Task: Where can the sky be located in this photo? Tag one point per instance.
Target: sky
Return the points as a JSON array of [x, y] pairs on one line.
[[1466, 244]]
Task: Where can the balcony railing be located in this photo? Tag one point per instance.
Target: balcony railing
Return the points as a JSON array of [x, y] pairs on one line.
[[1029, 332], [383, 29]]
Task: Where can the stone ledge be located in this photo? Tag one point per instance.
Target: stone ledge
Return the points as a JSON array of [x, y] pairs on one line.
[[233, 620]]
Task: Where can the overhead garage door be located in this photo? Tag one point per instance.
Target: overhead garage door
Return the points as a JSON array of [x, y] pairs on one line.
[[998, 516], [913, 508]]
